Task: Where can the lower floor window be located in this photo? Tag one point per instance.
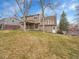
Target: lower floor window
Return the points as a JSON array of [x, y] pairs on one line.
[[53, 27], [0, 26], [36, 26]]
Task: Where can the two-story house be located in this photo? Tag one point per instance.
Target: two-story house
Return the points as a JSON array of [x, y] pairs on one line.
[[35, 22]]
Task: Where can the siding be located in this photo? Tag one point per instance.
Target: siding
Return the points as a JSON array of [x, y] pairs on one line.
[[11, 27]]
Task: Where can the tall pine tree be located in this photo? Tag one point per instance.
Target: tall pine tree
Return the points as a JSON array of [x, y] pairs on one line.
[[63, 25]]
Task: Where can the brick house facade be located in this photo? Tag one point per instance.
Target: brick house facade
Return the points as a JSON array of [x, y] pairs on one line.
[[35, 22], [49, 24]]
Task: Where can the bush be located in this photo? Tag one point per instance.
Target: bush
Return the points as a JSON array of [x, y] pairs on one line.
[[59, 32]]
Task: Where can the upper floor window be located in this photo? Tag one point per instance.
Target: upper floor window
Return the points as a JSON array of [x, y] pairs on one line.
[[48, 21], [35, 17]]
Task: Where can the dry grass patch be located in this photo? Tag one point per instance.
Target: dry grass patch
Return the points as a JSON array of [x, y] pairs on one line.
[[37, 45]]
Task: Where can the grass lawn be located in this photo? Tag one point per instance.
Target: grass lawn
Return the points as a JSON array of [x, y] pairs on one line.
[[37, 45]]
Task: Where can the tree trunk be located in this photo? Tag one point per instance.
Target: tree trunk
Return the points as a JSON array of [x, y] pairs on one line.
[[43, 24], [24, 24], [43, 18], [25, 11]]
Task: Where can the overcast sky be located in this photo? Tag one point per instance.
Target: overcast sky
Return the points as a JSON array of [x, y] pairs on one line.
[[8, 7]]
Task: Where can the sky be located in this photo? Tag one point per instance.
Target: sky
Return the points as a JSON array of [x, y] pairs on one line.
[[9, 7]]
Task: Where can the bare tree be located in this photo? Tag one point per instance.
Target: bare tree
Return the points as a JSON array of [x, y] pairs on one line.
[[24, 6], [42, 3], [50, 5]]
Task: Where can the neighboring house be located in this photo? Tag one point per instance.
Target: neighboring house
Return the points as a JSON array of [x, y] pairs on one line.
[[73, 29], [33, 22], [8, 24]]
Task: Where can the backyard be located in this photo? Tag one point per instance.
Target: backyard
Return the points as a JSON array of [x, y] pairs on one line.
[[16, 44]]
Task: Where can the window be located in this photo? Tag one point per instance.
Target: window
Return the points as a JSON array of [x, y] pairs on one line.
[[0, 26], [36, 26], [48, 21], [13, 21], [53, 27], [35, 17]]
